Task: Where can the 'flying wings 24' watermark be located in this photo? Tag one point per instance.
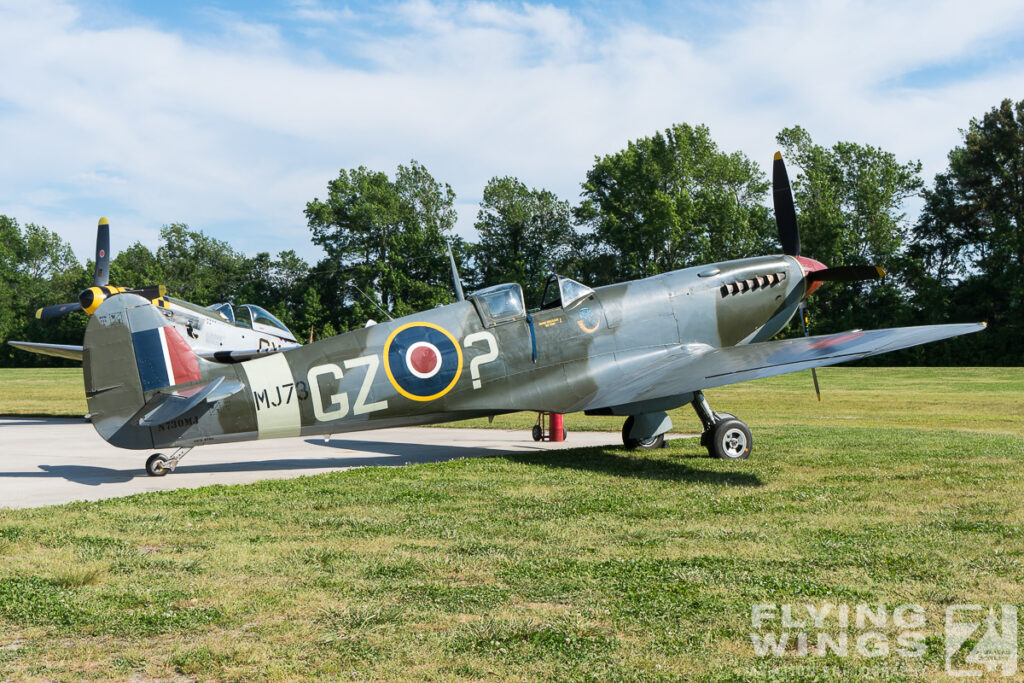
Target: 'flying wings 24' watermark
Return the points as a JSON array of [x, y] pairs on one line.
[[978, 639]]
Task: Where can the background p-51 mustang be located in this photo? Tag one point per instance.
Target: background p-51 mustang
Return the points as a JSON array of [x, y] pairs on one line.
[[221, 332]]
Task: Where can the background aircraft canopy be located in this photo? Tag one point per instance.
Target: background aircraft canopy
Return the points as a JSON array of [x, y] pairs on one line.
[[261, 320], [225, 311]]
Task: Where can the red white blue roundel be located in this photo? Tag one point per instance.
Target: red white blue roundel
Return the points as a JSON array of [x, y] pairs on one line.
[[422, 361]]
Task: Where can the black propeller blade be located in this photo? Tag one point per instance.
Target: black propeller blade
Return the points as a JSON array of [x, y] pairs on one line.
[[102, 274], [48, 312], [846, 274], [785, 210]]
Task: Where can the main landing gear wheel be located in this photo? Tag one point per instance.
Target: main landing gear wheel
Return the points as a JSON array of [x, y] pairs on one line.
[[538, 433], [632, 444], [706, 434], [155, 465], [730, 439]]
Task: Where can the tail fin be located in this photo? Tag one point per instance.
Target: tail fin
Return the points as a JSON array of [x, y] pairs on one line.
[[130, 351]]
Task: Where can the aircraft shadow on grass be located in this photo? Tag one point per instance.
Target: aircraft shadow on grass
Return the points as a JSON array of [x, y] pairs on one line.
[[609, 460]]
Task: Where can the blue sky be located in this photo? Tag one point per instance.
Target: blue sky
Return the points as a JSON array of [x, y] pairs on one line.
[[230, 116]]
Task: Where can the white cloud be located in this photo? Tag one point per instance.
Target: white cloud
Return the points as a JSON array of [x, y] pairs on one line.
[[151, 126]]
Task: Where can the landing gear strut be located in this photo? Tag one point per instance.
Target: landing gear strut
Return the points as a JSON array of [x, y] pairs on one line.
[[158, 464], [724, 435]]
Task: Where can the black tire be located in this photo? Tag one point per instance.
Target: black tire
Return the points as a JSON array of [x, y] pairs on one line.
[[155, 465], [538, 433], [730, 440], [705, 435], [632, 444]]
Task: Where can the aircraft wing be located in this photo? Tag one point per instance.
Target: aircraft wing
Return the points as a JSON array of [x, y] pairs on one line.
[[75, 352], [58, 350], [239, 355], [692, 368]]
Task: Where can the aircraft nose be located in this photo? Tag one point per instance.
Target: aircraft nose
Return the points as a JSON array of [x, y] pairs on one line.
[[809, 265]]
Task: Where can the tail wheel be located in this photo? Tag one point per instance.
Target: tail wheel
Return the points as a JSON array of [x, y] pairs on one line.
[[632, 444], [730, 439], [155, 465]]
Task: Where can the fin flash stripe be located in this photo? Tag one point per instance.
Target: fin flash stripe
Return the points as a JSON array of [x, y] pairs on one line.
[[164, 358]]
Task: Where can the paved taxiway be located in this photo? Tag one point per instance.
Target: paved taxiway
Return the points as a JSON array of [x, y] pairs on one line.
[[45, 461]]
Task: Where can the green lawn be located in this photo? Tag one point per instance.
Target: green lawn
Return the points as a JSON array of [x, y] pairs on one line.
[[56, 392], [903, 486]]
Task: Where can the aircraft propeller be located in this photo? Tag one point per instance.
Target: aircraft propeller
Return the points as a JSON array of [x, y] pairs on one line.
[[815, 272], [101, 275], [90, 299]]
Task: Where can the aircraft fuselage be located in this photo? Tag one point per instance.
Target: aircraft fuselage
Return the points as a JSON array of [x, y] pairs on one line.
[[455, 361]]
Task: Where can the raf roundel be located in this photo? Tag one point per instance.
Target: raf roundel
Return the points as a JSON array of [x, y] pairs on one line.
[[422, 361]]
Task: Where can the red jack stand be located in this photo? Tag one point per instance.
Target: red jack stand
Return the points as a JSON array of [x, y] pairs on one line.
[[553, 430]]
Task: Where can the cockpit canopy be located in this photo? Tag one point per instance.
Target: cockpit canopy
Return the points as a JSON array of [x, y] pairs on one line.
[[253, 317], [562, 291], [501, 302], [225, 311]]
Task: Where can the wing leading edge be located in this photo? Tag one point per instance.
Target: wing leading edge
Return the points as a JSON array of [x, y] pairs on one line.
[[59, 350], [688, 369], [75, 352]]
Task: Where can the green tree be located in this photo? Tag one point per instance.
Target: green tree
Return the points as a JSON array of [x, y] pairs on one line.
[[279, 285], [37, 268], [970, 237], [386, 238], [849, 200], [200, 268], [525, 234], [674, 200], [136, 266]]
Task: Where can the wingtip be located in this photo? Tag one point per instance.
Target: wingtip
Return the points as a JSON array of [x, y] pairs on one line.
[[39, 314], [880, 271], [778, 156], [104, 221]]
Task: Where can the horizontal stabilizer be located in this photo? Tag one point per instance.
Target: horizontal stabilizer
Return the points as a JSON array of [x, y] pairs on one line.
[[59, 350], [177, 403]]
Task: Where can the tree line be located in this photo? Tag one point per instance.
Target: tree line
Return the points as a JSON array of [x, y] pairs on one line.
[[667, 201]]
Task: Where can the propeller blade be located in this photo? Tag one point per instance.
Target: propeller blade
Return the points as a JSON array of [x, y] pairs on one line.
[[805, 317], [846, 274], [785, 210], [102, 274], [57, 310]]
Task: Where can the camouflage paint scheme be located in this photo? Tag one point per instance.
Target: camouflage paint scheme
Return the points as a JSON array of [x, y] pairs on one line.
[[635, 348]]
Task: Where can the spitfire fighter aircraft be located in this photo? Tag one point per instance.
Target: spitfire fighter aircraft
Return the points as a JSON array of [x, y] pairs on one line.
[[219, 333], [635, 349]]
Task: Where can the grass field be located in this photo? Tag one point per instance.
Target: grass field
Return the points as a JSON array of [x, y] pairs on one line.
[[904, 486]]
